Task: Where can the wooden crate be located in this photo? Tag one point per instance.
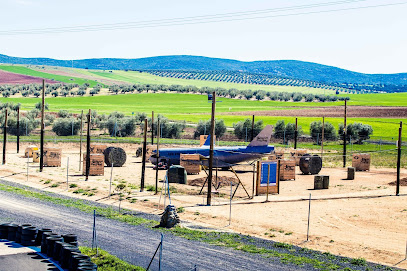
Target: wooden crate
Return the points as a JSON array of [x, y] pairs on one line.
[[361, 161], [52, 157], [29, 150], [287, 170], [97, 148], [261, 188], [191, 163], [277, 155], [202, 139], [97, 164], [297, 154], [36, 156]]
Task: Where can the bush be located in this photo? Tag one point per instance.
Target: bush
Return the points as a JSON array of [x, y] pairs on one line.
[[316, 131], [63, 126], [204, 128], [64, 114], [121, 126], [169, 129], [358, 132], [26, 125], [287, 131], [241, 126]]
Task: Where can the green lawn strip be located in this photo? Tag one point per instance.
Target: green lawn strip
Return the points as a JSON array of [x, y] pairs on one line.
[[60, 78], [234, 241], [107, 262]]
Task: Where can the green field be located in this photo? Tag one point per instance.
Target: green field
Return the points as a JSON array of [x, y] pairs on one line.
[[193, 108], [60, 78]]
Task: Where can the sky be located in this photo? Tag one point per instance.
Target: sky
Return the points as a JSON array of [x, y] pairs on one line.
[[341, 33]]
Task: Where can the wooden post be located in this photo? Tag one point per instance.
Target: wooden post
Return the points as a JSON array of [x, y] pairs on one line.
[[18, 129], [344, 138], [322, 137], [295, 133], [158, 156], [268, 182], [152, 128], [87, 169], [278, 175], [80, 143], [254, 179], [42, 127], [252, 136], [143, 162], [257, 175], [212, 134], [399, 159], [5, 137]]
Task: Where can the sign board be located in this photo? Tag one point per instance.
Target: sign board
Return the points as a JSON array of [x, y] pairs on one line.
[[267, 172]]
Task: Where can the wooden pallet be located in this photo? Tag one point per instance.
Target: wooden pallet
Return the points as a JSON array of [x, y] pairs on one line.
[[52, 157], [97, 164], [361, 161]]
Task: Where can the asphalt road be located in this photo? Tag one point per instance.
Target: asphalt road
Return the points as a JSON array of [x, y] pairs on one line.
[[134, 244]]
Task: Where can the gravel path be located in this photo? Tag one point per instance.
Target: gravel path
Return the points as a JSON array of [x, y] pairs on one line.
[[135, 244]]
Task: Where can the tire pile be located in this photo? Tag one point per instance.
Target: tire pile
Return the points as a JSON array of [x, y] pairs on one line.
[[61, 248]]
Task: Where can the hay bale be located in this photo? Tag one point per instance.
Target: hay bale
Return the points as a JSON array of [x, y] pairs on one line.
[[310, 164], [116, 156]]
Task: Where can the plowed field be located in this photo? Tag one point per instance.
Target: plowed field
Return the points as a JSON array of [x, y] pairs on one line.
[[9, 78]]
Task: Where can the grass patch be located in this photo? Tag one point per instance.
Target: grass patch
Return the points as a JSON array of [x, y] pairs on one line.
[[47, 182], [107, 262], [73, 185]]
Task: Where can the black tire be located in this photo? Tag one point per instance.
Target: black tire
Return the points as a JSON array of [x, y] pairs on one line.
[[69, 238], [29, 231]]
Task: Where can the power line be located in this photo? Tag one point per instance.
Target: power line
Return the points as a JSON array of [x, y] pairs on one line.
[[224, 17]]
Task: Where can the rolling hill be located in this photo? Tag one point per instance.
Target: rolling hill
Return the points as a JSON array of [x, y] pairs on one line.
[[281, 68]]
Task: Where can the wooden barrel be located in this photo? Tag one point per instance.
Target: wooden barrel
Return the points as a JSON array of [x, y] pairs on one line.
[[115, 156], [310, 164]]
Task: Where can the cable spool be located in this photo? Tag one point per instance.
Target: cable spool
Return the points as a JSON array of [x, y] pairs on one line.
[[115, 156], [310, 164]]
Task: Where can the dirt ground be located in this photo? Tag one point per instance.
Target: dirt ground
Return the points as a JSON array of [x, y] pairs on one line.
[[334, 111], [359, 218]]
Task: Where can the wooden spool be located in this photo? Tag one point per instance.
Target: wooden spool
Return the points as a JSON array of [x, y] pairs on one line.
[[310, 164], [361, 161], [29, 151], [191, 163], [97, 164], [115, 156], [52, 157]]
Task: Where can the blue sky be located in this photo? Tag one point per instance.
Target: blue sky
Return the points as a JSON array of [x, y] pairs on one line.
[[369, 40]]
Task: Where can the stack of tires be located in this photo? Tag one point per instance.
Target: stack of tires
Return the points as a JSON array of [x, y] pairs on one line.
[[61, 248]]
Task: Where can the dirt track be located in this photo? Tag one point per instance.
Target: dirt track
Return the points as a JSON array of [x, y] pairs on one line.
[[333, 111]]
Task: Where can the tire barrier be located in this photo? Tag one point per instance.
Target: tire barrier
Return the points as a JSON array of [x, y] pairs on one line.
[[61, 248]]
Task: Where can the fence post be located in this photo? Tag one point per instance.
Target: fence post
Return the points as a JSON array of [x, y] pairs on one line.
[[309, 214]]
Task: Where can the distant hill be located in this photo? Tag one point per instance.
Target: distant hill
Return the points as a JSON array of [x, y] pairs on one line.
[[280, 68]]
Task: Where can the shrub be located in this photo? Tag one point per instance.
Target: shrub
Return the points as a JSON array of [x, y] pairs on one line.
[[66, 126], [64, 114], [287, 131], [204, 128], [26, 125], [316, 131], [121, 126], [169, 129], [241, 126], [356, 131]]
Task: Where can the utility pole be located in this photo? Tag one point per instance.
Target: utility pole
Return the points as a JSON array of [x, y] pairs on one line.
[[18, 129], [212, 134], [252, 137], [42, 127], [87, 169], [143, 163], [399, 159], [344, 137], [295, 133], [5, 137]]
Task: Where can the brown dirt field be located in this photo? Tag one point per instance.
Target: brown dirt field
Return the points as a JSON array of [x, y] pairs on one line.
[[333, 111], [9, 78], [358, 218]]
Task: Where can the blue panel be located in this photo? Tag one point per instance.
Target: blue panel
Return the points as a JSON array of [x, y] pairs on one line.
[[265, 173]]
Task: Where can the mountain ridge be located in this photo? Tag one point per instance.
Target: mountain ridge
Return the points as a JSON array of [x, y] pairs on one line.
[[282, 68]]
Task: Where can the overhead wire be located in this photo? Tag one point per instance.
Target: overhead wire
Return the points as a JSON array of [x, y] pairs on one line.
[[223, 17]]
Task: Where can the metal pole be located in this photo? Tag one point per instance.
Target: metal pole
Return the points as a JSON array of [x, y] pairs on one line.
[[278, 175], [344, 138], [322, 140], [152, 128], [158, 156], [252, 136], [309, 214], [268, 182], [88, 148], [80, 143], [28, 163], [111, 177], [72, 126], [399, 159], [143, 163], [295, 133], [161, 252], [212, 134], [230, 204], [5, 137], [67, 173], [42, 127], [254, 176], [18, 129]]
